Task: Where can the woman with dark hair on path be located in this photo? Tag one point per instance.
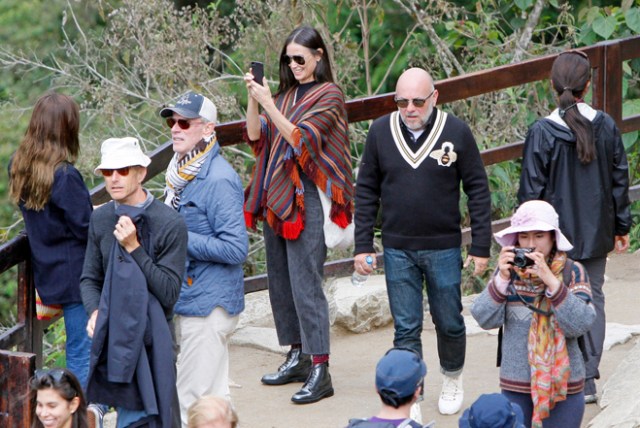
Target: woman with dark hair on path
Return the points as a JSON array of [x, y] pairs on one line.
[[301, 143], [58, 400], [575, 160]]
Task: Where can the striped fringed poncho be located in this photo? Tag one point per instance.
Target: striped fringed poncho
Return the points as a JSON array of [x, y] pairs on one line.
[[321, 152]]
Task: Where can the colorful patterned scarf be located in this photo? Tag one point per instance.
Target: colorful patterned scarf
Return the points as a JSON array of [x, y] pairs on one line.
[[321, 151], [181, 171], [548, 356]]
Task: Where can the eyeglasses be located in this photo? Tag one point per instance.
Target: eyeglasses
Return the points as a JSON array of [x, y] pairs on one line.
[[298, 59], [417, 102], [55, 375], [123, 172], [182, 123]]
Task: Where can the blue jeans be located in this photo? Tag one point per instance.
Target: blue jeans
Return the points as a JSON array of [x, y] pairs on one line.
[[406, 271], [78, 346]]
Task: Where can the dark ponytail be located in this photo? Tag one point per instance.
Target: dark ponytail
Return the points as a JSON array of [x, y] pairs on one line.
[[570, 75]]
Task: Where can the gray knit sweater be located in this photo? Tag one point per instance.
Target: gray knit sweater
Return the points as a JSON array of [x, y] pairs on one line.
[[572, 309]]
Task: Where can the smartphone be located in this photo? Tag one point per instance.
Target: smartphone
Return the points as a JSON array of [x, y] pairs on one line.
[[257, 69]]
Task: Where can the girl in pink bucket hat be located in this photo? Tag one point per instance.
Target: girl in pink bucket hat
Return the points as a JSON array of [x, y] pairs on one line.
[[541, 300]]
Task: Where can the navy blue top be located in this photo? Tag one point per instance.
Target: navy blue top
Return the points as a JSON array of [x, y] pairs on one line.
[[58, 237]]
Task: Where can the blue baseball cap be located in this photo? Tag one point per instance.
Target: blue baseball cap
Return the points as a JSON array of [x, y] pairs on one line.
[[492, 411], [400, 371], [191, 106]]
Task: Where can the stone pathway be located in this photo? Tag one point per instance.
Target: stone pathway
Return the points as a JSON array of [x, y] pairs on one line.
[[362, 332]]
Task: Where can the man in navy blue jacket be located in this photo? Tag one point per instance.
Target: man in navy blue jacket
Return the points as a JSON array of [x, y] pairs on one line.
[[130, 282]]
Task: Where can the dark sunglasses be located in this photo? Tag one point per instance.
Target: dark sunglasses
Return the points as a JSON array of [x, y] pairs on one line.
[[182, 123], [54, 375], [418, 102], [123, 172], [298, 59]]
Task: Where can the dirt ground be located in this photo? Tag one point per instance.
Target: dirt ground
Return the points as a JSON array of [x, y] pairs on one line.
[[354, 356]]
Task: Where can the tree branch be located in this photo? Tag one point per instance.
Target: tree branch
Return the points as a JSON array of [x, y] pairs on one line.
[[527, 32]]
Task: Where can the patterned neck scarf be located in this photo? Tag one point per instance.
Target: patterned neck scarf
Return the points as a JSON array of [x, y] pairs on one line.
[[181, 171], [548, 356]]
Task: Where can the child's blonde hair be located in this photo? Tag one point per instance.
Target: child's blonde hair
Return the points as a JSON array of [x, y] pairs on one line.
[[208, 409]]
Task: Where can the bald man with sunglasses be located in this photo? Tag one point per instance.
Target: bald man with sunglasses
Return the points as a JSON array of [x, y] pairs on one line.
[[413, 165]]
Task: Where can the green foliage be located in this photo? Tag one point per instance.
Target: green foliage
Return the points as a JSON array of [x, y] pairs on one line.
[[54, 342], [8, 303]]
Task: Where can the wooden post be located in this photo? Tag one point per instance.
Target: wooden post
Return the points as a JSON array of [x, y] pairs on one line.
[[613, 80], [16, 368]]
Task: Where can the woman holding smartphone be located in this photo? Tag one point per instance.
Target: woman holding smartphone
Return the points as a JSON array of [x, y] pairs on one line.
[[301, 143], [542, 300]]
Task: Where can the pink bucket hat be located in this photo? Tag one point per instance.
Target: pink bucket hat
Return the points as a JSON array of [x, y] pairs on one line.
[[533, 215]]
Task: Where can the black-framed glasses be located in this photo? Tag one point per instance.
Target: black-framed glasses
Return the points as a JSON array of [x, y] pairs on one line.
[[123, 172], [54, 375], [298, 59], [183, 124], [417, 102]]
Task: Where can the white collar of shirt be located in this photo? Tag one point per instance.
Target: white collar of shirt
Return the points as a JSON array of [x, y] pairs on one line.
[[585, 109]]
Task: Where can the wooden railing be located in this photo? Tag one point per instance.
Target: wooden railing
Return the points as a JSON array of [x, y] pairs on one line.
[[26, 336]]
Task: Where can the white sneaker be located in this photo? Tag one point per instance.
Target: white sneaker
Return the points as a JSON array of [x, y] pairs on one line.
[[451, 395], [416, 413]]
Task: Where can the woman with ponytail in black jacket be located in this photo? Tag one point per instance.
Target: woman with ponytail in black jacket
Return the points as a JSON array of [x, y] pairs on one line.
[[575, 160]]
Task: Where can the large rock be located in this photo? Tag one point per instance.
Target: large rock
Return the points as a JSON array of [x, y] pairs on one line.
[[358, 309], [620, 400]]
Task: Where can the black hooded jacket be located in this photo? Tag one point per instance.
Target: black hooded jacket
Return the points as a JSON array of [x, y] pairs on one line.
[[592, 200]]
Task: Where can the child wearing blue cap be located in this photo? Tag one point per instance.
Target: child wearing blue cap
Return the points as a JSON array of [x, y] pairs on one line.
[[492, 411], [399, 382]]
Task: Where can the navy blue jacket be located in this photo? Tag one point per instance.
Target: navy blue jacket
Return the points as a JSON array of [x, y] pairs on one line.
[[132, 363], [58, 237]]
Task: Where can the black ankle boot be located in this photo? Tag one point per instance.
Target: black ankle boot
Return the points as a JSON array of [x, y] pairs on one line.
[[296, 368], [317, 386]]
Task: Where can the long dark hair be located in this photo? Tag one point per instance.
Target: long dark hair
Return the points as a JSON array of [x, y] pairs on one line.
[[309, 38], [570, 75], [51, 139], [64, 383]]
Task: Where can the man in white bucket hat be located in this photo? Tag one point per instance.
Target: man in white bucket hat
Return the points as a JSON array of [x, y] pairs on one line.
[[130, 281]]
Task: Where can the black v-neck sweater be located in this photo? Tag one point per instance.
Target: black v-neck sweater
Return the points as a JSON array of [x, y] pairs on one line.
[[420, 197]]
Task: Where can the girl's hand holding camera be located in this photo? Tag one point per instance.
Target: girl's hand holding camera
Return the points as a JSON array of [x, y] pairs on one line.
[[539, 267]]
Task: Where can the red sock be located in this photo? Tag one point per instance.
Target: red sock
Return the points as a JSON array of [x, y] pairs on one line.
[[319, 359]]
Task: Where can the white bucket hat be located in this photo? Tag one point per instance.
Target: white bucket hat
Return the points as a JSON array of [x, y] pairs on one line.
[[121, 152], [530, 216]]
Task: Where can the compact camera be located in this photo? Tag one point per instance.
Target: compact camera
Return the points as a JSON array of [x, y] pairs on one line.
[[520, 260]]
